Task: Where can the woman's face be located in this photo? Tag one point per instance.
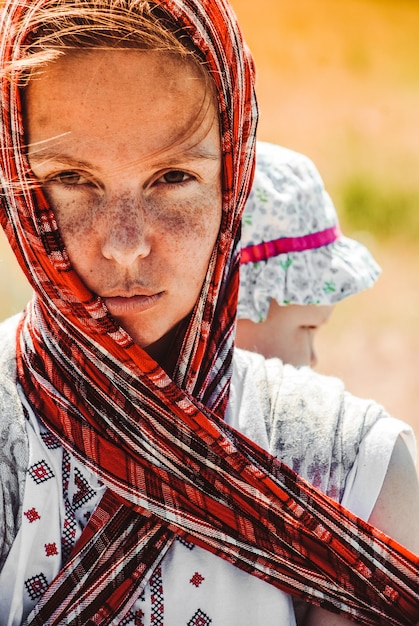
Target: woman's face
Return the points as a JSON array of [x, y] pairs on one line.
[[126, 145]]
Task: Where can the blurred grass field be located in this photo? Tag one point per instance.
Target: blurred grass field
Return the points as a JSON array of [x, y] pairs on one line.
[[339, 81]]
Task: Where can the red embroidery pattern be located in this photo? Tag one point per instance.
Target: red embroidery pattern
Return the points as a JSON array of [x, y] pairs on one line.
[[32, 515], [70, 524], [51, 549], [197, 579], [49, 440], [40, 472], [199, 619], [66, 471], [69, 532], [84, 492], [157, 599], [133, 619], [187, 544], [36, 586]]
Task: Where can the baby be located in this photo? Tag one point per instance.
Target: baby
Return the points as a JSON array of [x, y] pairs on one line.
[[296, 264]]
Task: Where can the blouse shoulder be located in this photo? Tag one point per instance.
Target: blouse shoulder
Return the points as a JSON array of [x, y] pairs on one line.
[[13, 440], [314, 425]]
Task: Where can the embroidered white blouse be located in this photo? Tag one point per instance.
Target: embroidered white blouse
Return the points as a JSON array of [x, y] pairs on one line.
[[339, 442]]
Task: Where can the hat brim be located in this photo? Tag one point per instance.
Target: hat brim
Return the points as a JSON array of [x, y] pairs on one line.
[[322, 276]]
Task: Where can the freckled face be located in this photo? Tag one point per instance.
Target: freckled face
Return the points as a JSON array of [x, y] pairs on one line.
[[126, 144], [287, 333]]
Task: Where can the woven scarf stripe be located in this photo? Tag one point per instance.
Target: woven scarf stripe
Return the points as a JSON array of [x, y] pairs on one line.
[[215, 32], [230, 520], [321, 547]]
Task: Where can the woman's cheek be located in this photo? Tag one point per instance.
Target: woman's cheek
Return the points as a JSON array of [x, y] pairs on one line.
[[198, 218], [77, 218]]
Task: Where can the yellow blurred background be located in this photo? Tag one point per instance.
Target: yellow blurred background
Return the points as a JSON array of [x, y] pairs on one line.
[[339, 81]]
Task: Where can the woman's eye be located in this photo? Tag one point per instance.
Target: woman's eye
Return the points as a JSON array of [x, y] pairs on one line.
[[174, 177], [70, 178]]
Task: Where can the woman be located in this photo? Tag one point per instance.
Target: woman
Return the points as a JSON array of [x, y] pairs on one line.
[[134, 436]]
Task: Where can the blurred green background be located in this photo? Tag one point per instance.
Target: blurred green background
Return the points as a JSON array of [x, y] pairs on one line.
[[339, 81]]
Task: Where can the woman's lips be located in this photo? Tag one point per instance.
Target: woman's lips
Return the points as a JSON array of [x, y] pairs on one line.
[[119, 306]]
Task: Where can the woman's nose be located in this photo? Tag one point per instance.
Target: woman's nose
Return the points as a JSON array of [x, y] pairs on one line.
[[126, 236]]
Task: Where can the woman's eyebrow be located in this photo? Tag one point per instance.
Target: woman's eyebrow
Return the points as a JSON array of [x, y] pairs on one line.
[[43, 156], [194, 154], [201, 152]]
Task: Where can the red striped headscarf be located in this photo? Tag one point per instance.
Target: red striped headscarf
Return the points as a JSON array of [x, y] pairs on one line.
[[159, 443]]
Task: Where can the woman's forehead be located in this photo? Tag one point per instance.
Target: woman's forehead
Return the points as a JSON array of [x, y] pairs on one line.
[[86, 109]]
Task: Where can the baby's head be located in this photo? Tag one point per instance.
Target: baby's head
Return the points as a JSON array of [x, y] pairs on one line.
[[295, 263]]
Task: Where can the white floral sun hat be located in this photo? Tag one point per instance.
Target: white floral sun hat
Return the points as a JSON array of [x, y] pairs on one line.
[[292, 249]]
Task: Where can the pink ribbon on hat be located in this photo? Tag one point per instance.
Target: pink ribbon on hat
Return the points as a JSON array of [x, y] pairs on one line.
[[267, 249]]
